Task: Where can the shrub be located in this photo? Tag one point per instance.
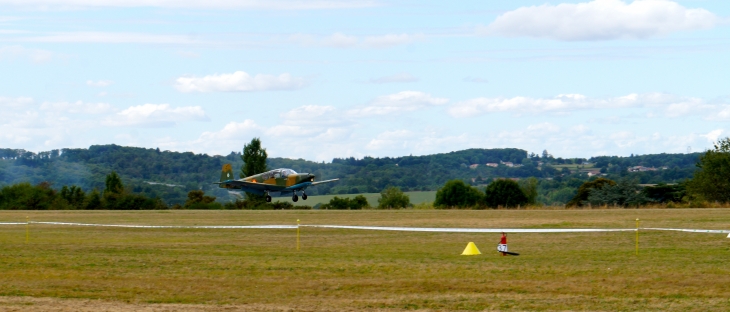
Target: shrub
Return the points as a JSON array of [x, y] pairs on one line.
[[359, 202], [456, 193], [625, 193], [712, 181], [585, 189], [393, 198], [505, 193]]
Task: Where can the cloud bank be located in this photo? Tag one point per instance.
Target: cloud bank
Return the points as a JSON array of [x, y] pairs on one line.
[[404, 101], [239, 81], [667, 105], [601, 20], [193, 4]]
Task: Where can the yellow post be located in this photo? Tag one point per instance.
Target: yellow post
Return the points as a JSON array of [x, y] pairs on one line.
[[27, 230], [637, 236], [297, 234]]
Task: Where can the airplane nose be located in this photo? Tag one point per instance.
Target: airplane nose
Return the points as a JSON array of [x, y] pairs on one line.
[[306, 177]]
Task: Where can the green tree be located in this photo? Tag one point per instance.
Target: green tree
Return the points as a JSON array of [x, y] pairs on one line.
[[74, 195], [254, 158], [337, 203], [254, 162], [360, 202], [663, 193], [456, 193], [198, 200], [625, 193], [93, 201], [712, 181], [505, 193], [393, 198], [23, 196], [114, 192], [529, 187], [585, 190], [114, 184]]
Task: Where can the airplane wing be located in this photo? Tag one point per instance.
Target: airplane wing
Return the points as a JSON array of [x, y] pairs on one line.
[[325, 181], [251, 185]]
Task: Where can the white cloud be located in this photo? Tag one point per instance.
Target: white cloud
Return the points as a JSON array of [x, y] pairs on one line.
[[526, 105], [195, 4], [713, 135], [601, 20], [667, 105], [156, 115], [232, 131], [108, 37], [99, 83], [404, 101], [239, 81], [391, 139], [307, 112], [78, 107], [542, 128], [19, 102], [231, 137], [309, 121], [33, 55], [341, 40], [400, 77], [391, 40]]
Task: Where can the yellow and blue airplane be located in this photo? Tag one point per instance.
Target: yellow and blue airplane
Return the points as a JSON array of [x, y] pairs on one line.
[[273, 183]]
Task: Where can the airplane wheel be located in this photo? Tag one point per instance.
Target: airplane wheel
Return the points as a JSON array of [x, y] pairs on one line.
[[304, 196], [268, 198], [294, 198]]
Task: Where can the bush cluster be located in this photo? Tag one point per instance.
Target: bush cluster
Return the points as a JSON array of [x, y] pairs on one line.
[[359, 202]]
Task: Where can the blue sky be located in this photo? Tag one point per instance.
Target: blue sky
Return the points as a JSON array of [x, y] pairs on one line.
[[325, 79]]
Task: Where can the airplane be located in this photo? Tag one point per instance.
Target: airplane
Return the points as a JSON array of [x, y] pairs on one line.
[[273, 183]]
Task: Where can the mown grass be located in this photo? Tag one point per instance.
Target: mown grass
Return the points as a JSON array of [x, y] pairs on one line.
[[369, 270], [416, 198]]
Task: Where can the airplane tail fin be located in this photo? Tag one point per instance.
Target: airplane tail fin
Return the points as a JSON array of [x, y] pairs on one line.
[[227, 173]]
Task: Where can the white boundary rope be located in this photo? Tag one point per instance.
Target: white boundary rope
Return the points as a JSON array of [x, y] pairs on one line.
[[463, 230], [171, 226], [372, 228], [689, 230]]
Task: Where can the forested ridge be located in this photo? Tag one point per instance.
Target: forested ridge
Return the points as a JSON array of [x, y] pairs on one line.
[[171, 175]]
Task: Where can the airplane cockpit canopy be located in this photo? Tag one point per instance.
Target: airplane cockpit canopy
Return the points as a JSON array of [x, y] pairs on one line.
[[278, 173], [287, 172]]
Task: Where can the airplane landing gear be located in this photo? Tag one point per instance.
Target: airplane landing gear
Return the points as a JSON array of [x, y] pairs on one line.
[[268, 198], [294, 198], [304, 196]]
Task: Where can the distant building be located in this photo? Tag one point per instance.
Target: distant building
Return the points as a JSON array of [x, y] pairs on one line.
[[473, 166], [593, 173], [495, 165], [507, 163], [640, 169]]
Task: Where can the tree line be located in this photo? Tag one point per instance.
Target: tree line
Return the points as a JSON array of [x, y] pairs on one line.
[[170, 176]]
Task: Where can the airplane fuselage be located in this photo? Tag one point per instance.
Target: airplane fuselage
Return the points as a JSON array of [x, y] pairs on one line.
[[272, 183]]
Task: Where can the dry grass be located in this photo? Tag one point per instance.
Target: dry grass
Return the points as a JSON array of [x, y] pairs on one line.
[[177, 269]]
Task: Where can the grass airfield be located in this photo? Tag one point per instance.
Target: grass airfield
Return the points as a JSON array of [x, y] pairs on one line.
[[415, 197], [117, 269]]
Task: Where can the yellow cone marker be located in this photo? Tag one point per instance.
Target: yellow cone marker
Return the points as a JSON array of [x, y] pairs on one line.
[[471, 250]]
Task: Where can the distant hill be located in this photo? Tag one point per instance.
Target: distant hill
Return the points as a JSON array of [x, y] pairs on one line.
[[170, 175]]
